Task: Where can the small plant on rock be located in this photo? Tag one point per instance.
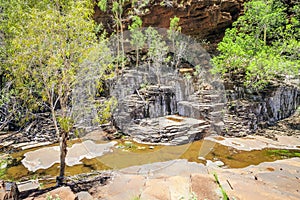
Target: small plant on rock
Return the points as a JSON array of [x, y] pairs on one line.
[[225, 197], [50, 197]]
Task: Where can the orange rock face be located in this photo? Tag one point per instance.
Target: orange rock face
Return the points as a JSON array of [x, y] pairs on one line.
[[205, 19], [201, 18]]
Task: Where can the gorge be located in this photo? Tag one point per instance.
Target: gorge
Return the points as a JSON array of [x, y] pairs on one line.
[[184, 105]]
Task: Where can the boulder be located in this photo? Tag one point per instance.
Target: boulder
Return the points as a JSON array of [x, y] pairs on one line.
[[84, 196]]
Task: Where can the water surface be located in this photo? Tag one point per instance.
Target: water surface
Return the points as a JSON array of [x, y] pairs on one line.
[[128, 153]]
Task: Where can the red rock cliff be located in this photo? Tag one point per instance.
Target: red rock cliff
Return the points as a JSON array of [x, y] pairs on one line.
[[205, 19]]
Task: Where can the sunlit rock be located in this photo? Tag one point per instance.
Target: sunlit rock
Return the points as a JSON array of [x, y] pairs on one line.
[[48, 156]]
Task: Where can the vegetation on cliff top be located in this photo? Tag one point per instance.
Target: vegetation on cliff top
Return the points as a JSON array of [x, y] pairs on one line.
[[262, 45]]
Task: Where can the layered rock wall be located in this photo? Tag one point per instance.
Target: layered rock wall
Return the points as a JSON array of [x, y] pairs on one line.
[[201, 18], [205, 19], [248, 111]]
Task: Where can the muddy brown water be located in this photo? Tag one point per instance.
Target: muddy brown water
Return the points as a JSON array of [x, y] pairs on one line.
[[128, 153]]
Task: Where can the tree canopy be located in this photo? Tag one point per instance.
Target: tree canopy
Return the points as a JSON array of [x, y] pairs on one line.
[[262, 45], [47, 44]]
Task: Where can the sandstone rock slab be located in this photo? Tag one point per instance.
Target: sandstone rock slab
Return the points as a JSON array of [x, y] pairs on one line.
[[61, 193], [46, 157]]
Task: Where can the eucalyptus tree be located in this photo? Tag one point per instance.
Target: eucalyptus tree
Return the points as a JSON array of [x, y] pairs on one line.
[[137, 36], [47, 51], [179, 45], [157, 51], [117, 10], [12, 19]]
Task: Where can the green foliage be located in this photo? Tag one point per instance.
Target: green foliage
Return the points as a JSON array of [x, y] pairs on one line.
[[5, 160], [263, 18], [106, 109], [117, 7], [174, 24], [136, 198], [137, 36], [144, 85], [128, 145], [262, 45], [46, 49], [284, 153], [136, 23], [157, 50], [178, 45], [12, 20], [174, 30], [139, 7], [66, 123], [197, 70], [193, 196], [50, 197], [117, 10], [41, 52], [162, 3], [187, 76], [41, 186], [102, 5], [109, 74]]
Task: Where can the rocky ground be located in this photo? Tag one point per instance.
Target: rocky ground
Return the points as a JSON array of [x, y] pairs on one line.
[[287, 127], [180, 179]]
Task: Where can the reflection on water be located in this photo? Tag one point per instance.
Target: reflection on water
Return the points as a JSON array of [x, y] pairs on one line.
[[127, 153]]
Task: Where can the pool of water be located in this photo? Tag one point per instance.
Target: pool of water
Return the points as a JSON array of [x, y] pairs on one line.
[[128, 153]]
